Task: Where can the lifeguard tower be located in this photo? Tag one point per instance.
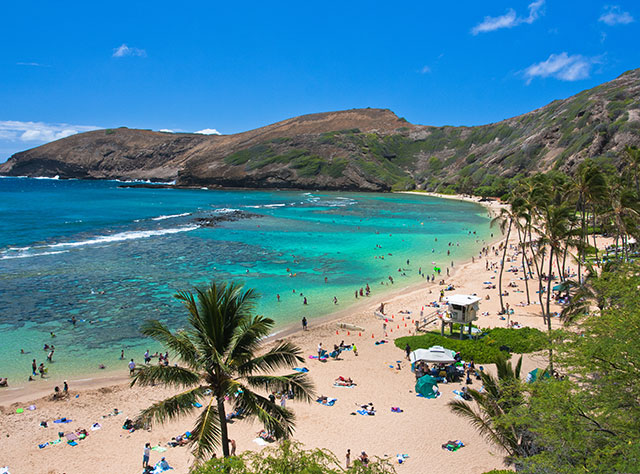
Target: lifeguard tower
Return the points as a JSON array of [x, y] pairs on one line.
[[463, 310]]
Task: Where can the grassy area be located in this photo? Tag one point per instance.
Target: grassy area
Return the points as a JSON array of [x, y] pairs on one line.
[[485, 350]]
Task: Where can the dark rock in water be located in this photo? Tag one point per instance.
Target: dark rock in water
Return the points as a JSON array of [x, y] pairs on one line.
[[215, 219]]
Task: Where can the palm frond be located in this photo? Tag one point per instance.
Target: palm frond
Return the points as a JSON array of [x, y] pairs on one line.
[[172, 407], [248, 338], [481, 423], [300, 384], [206, 434], [284, 354], [178, 343], [278, 420], [168, 375]]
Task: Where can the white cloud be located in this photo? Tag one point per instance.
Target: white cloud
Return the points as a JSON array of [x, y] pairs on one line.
[[208, 131], [561, 66], [14, 130], [534, 11], [125, 50], [32, 64], [166, 130], [425, 70], [614, 15], [492, 23], [509, 19]]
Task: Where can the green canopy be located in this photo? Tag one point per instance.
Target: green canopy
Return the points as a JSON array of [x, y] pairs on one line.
[[427, 387]]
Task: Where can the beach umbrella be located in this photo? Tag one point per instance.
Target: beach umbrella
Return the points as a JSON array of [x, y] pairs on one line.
[[427, 386], [436, 354], [561, 287], [535, 373]]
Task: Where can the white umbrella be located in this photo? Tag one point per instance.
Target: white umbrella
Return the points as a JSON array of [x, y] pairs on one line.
[[434, 354]]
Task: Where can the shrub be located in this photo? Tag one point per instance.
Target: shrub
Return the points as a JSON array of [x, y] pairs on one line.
[[486, 349]]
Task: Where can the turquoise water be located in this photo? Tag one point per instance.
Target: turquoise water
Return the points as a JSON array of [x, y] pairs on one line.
[[113, 257]]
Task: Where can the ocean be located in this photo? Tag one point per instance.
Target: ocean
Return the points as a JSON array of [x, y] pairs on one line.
[[114, 256]]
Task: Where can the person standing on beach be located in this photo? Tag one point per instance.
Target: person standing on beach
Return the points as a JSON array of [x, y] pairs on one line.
[[348, 459], [132, 366], [34, 367], [304, 323], [147, 357], [145, 454], [65, 388], [122, 354], [407, 350], [319, 350]]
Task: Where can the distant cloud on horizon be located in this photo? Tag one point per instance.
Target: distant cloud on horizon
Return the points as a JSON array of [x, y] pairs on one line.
[[425, 70], [509, 19], [614, 15], [14, 130], [124, 50], [561, 66], [208, 131]]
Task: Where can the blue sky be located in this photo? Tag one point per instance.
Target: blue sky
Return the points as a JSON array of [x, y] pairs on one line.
[[72, 66]]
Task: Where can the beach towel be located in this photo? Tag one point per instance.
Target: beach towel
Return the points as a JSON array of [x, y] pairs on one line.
[[72, 443], [19, 410], [71, 436], [197, 405], [4, 470], [43, 445], [380, 342], [458, 395], [56, 441], [96, 426], [364, 413], [62, 420], [396, 410], [453, 445], [301, 369], [329, 402], [338, 384], [260, 442], [321, 359], [32, 407], [160, 449], [401, 458]]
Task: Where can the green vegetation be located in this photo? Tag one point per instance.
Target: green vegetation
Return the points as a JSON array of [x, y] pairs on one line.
[[218, 361], [484, 350], [290, 458], [109, 131], [584, 418]]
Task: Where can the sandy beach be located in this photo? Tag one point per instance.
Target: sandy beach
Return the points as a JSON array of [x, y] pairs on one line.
[[419, 431]]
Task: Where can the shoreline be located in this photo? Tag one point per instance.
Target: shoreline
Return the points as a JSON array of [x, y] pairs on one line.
[[119, 376]]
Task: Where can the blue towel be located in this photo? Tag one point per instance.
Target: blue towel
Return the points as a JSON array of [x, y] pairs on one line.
[[363, 412], [301, 369], [62, 420], [43, 445], [197, 405]]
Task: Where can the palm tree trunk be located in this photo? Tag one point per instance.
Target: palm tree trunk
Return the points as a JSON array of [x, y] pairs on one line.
[[524, 263], [504, 256], [595, 244], [548, 307], [224, 434]]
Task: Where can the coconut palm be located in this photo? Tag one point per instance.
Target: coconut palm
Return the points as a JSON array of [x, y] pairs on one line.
[[504, 220], [219, 359], [501, 394]]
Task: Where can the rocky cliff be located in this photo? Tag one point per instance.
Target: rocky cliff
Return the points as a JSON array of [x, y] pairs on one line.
[[361, 149]]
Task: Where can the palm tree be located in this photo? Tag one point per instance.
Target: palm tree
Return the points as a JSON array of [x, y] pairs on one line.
[[632, 156], [502, 218], [501, 394], [218, 360]]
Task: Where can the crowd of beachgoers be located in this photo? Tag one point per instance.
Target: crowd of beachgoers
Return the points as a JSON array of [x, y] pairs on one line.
[[366, 400]]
